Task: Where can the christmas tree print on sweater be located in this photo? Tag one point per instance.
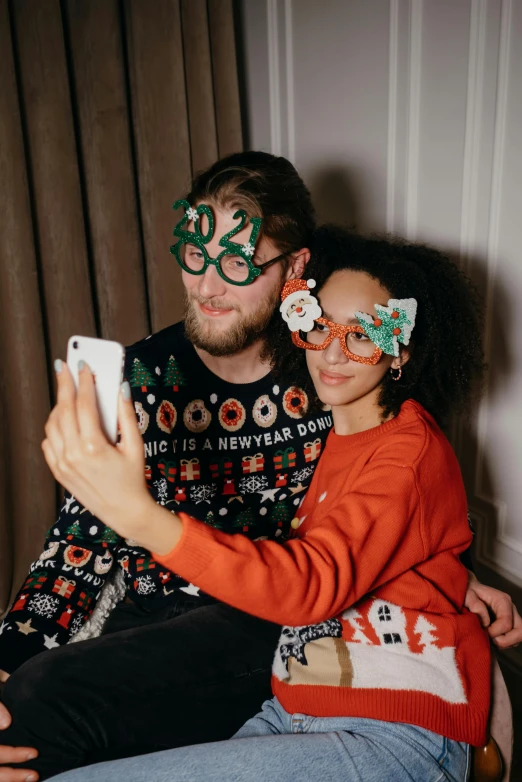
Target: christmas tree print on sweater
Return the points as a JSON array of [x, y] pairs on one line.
[[140, 376], [196, 460], [173, 375]]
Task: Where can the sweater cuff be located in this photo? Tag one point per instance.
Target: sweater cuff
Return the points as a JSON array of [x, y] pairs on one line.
[[194, 551], [14, 651]]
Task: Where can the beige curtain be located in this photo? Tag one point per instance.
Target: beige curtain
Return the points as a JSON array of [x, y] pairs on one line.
[[106, 110]]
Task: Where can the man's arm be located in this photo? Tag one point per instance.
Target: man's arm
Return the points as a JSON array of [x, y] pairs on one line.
[[62, 587]]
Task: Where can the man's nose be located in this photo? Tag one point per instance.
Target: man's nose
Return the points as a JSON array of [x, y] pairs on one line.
[[211, 284]]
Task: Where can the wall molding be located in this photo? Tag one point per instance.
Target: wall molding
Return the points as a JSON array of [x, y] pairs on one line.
[[472, 138], [485, 515], [393, 87], [414, 98], [289, 50], [274, 75], [280, 45]]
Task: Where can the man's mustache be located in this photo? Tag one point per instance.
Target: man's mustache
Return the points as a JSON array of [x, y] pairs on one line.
[[213, 303]]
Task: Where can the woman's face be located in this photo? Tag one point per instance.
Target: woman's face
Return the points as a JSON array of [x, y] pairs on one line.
[[339, 380]]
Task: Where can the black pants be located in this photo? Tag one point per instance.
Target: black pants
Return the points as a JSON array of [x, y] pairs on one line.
[[167, 680]]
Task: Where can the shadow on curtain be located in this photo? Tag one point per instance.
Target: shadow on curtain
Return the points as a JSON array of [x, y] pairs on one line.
[[107, 107]]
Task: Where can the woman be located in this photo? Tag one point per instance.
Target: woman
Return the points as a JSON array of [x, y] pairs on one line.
[[380, 672]]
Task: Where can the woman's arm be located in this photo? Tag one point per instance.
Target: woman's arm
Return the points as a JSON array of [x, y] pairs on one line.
[[303, 581]]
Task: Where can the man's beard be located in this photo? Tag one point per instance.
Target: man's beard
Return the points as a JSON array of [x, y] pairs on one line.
[[241, 335]]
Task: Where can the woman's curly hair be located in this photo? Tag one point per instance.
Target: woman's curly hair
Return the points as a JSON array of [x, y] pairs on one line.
[[446, 364]]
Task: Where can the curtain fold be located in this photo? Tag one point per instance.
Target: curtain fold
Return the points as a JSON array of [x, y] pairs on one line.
[[107, 108]]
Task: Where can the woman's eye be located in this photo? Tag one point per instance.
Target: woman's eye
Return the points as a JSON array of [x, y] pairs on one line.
[[359, 337], [320, 327]]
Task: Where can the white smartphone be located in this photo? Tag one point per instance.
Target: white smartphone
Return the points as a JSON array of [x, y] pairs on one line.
[[105, 360]]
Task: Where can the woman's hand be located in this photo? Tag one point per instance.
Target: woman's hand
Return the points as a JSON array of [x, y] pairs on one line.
[[108, 480]]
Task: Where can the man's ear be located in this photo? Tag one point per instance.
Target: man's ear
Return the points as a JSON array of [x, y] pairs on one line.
[[403, 358], [297, 265]]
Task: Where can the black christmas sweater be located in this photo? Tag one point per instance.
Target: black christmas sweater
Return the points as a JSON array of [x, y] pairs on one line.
[[236, 456]]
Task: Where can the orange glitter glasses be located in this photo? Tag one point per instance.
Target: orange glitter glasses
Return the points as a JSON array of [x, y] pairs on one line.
[[364, 351]]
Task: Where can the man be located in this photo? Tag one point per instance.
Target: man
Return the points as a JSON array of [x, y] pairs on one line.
[[226, 441]]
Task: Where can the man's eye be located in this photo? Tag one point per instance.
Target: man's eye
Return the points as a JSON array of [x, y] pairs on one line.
[[359, 337], [321, 327]]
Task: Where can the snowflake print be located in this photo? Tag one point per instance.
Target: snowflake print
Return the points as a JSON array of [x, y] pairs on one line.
[[77, 624], [302, 475], [44, 605], [157, 371], [151, 399], [192, 214], [248, 249], [162, 490], [144, 585], [275, 390], [213, 398], [250, 484], [203, 493]]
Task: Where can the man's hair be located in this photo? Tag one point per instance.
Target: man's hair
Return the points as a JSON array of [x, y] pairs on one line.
[[446, 361], [264, 186]]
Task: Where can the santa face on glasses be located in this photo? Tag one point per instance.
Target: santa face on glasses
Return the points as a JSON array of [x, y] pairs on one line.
[[300, 310]]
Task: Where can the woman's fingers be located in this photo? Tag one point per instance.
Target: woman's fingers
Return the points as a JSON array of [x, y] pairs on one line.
[[65, 400], [91, 433], [61, 424]]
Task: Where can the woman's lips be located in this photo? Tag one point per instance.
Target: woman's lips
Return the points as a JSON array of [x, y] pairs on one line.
[[212, 312], [332, 378]]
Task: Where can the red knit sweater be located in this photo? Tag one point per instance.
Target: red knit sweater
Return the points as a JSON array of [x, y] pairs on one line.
[[371, 589]]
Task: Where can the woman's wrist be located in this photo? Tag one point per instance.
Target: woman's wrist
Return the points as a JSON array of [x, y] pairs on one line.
[[164, 532], [149, 524]]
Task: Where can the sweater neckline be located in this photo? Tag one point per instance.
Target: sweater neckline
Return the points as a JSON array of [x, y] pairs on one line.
[[202, 368], [338, 442]]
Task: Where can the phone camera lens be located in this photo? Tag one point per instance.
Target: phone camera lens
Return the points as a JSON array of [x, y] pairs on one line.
[[75, 345]]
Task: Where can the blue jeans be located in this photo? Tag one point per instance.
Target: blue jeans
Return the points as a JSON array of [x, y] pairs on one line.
[[275, 746]]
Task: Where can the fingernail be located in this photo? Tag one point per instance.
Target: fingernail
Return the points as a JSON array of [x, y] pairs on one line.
[[125, 390], [31, 755], [58, 365], [31, 778], [81, 365]]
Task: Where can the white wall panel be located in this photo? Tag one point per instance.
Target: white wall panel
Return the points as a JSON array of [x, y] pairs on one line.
[[406, 115]]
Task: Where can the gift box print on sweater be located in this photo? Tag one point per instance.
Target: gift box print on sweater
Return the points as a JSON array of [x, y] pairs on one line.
[[238, 457]]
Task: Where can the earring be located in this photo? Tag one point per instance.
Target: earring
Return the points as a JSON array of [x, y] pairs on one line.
[[398, 375]]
